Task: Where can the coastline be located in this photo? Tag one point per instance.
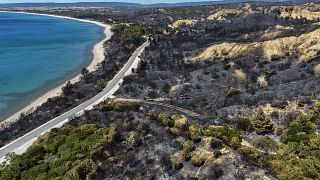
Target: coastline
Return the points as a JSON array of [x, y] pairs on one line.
[[98, 56]]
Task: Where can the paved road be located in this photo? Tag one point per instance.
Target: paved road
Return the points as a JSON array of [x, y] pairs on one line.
[[22, 143]]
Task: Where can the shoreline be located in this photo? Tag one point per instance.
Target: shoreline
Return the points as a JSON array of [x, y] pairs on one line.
[[98, 55]]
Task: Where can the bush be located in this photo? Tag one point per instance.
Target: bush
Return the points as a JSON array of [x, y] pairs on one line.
[[299, 130], [279, 131], [191, 175], [176, 161], [316, 108], [258, 157], [244, 124], [165, 119], [194, 131], [180, 121], [133, 139], [225, 133], [265, 143], [174, 131], [262, 122], [233, 92], [175, 122], [297, 157], [118, 106], [199, 157], [84, 170], [130, 34], [187, 147], [69, 150]]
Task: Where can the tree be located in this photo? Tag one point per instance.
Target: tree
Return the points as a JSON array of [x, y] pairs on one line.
[[84, 72]]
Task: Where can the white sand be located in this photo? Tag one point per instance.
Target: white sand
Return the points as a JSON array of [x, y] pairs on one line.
[[98, 56]]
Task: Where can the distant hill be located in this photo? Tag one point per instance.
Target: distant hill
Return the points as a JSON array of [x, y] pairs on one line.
[[80, 4], [137, 5]]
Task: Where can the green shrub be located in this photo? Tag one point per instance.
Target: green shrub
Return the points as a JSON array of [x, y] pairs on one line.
[[133, 139], [174, 131], [244, 124], [199, 157], [180, 121], [233, 92], [265, 143], [118, 106], [225, 133], [299, 129], [279, 130], [258, 157], [292, 168], [84, 170], [194, 131], [176, 161], [297, 157], [316, 108], [63, 151], [262, 122], [187, 147], [191, 175], [130, 34], [165, 119]]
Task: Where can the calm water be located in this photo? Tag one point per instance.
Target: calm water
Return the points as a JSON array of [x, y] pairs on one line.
[[37, 53]]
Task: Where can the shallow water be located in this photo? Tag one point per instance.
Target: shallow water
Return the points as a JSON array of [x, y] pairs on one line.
[[38, 53]]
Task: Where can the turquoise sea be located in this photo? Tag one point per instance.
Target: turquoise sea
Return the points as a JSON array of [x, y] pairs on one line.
[[38, 53]]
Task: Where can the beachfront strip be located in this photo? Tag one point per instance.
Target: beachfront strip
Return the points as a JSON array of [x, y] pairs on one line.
[[21, 144]]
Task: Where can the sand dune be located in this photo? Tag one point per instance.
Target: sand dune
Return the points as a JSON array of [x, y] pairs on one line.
[[298, 13], [180, 22], [305, 47], [222, 14]]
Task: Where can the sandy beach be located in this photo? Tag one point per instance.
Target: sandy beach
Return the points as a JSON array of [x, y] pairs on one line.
[[98, 56]]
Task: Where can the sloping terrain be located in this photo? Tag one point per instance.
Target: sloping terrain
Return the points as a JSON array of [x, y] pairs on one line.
[[224, 13], [304, 47], [299, 12], [257, 76]]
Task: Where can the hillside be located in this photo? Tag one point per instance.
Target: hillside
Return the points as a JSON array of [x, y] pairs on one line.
[[304, 47]]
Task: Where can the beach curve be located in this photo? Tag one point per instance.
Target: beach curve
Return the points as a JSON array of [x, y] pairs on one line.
[[98, 56]]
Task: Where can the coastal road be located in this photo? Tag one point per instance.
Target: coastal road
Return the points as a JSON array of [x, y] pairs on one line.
[[21, 144]]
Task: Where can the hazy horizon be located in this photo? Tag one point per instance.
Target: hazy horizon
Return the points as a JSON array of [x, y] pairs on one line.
[[73, 1]]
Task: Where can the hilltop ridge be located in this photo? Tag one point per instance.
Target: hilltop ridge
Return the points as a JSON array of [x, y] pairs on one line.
[[223, 91]]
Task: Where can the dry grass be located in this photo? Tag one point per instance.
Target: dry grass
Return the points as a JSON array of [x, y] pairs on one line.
[[262, 82], [240, 75], [317, 69]]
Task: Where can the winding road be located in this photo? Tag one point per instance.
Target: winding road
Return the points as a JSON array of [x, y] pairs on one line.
[[21, 144]]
